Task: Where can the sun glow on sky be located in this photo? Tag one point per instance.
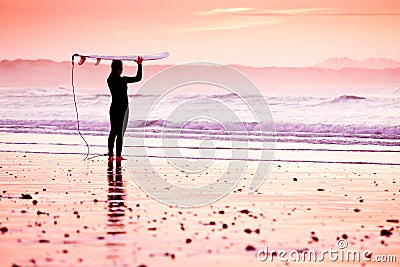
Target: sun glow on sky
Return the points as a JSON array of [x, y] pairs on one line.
[[255, 32]]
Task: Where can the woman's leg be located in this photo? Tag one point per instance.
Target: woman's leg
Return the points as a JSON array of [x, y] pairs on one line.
[[119, 141], [111, 139], [113, 132], [122, 122]]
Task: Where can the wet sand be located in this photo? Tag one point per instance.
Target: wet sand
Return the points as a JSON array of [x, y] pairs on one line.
[[57, 210]]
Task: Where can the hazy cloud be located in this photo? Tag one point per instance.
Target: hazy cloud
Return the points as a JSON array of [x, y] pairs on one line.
[[291, 12], [229, 10], [245, 17], [254, 11], [318, 11], [232, 26], [311, 12]]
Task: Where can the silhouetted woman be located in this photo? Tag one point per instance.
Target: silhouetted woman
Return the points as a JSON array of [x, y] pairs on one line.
[[119, 106]]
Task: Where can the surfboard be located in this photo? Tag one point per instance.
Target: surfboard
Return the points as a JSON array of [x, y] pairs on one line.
[[124, 58]]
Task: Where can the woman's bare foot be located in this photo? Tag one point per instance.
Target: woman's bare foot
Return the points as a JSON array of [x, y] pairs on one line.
[[119, 158]]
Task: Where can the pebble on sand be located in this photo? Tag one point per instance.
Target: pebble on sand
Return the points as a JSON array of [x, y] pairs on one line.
[[26, 196], [385, 232], [250, 248], [3, 230], [247, 231]]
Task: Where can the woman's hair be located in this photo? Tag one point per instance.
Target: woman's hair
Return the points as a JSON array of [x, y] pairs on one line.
[[116, 66]]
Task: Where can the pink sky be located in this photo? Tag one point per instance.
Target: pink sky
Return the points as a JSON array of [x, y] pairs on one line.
[[257, 33]]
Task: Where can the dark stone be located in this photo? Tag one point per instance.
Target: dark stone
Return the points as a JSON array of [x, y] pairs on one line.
[[385, 232], [250, 248]]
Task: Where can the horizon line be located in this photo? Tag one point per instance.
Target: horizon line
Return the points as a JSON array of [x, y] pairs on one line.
[[393, 60]]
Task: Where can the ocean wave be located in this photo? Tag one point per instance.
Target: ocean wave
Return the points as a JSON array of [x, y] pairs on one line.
[[347, 98], [244, 128]]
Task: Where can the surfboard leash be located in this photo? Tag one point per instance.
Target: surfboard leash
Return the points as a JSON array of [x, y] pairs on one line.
[[76, 107]]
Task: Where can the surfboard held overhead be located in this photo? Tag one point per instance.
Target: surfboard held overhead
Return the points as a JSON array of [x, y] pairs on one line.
[[123, 58]]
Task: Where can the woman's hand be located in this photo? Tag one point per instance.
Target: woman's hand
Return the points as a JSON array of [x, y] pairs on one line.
[[139, 60]]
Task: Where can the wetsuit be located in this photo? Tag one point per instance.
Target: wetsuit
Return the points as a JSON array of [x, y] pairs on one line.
[[119, 108]]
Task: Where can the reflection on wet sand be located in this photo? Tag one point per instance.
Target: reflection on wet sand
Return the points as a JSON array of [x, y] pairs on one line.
[[116, 200], [116, 212]]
